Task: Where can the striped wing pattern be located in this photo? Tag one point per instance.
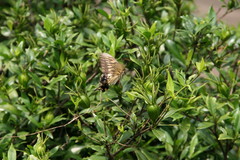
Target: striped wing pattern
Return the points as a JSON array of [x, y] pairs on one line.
[[112, 70]]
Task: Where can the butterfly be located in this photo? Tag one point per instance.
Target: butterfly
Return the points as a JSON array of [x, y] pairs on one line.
[[111, 69]]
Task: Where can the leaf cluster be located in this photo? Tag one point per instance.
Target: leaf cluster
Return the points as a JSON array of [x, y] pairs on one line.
[[179, 98]]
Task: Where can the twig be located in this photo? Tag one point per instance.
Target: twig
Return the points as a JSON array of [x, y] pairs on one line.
[[91, 77], [110, 156], [121, 144], [227, 12], [142, 131], [49, 129]]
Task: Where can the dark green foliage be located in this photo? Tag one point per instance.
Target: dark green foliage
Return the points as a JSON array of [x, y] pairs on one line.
[[186, 66]]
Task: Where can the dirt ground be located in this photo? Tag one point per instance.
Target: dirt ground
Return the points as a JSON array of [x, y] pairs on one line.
[[203, 6]]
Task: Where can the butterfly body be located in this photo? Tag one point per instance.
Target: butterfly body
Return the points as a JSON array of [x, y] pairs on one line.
[[104, 84], [112, 71]]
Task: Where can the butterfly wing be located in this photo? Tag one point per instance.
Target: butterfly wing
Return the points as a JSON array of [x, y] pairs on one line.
[[111, 69]]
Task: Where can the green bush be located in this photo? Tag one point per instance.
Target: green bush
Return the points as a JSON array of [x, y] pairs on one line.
[[178, 99]]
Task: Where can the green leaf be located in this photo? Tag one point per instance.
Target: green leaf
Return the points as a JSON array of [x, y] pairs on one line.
[[211, 104], [180, 77], [135, 60], [100, 125], [170, 85], [5, 31], [162, 136], [4, 52], [55, 80], [224, 136], [188, 23], [57, 119], [189, 57], [78, 12], [9, 108], [200, 66], [148, 154], [147, 35], [36, 79], [119, 42], [53, 150], [12, 154], [12, 93], [119, 23], [236, 120], [34, 121], [106, 41], [48, 134], [47, 24], [200, 150], [102, 12], [212, 16], [62, 59], [224, 89], [171, 113], [184, 153], [140, 155], [96, 157], [193, 144], [79, 125], [223, 117], [137, 41], [174, 50], [204, 125], [22, 135], [169, 148], [153, 28], [125, 136]]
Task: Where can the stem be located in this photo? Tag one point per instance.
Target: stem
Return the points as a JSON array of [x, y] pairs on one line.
[[177, 21], [227, 12], [58, 94], [91, 77], [44, 130], [110, 156], [137, 134], [214, 131]]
